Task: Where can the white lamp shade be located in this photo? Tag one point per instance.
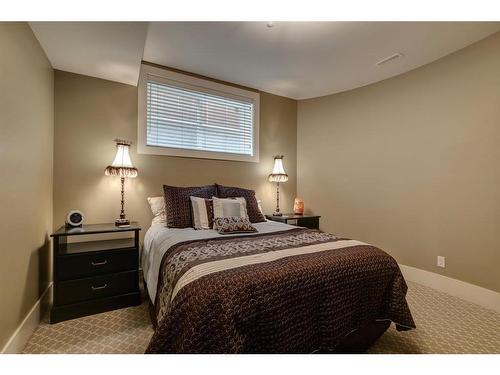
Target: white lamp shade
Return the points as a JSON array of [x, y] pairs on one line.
[[278, 174], [122, 164], [122, 157]]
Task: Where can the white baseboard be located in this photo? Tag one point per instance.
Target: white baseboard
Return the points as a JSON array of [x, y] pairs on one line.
[[469, 292], [20, 337]]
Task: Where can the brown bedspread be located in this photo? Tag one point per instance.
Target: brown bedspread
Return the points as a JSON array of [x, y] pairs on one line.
[[294, 291]]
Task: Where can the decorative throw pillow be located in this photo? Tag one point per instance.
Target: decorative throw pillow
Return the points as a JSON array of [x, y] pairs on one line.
[[253, 211], [157, 206], [228, 225], [202, 210], [230, 207], [178, 203]]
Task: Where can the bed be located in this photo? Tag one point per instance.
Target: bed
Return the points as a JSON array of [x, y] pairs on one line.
[[283, 289]]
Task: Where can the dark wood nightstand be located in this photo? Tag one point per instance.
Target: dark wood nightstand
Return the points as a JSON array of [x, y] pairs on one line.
[[308, 221], [94, 276]]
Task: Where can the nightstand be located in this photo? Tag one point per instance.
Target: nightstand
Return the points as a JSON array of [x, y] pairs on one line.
[[308, 221], [94, 276]]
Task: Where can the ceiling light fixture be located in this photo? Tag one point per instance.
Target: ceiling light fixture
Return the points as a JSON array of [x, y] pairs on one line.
[[270, 24], [395, 56]]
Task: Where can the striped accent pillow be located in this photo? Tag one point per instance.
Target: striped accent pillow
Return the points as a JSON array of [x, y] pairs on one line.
[[202, 212]]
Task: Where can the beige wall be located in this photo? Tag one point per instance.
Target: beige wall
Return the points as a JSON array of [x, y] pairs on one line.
[[26, 144], [91, 112], [412, 164]]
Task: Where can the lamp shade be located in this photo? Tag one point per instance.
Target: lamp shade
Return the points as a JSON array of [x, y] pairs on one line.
[[122, 165], [278, 174]]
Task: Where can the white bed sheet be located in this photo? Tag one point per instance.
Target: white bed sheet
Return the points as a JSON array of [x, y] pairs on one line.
[[159, 239]]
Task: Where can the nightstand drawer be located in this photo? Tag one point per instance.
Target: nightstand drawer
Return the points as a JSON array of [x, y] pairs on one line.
[[96, 287], [76, 266]]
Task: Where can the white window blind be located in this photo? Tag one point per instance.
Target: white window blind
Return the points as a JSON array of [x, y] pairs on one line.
[[184, 118]]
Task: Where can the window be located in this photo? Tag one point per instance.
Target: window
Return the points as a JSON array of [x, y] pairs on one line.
[[181, 115]]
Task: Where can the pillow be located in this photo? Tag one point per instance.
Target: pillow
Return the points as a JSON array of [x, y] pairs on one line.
[[253, 211], [259, 204], [230, 207], [227, 225], [178, 203], [157, 206], [202, 211]]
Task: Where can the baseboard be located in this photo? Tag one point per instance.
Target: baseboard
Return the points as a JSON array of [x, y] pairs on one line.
[[18, 340], [469, 292]]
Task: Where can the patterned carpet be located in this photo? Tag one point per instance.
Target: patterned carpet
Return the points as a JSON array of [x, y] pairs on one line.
[[445, 324]]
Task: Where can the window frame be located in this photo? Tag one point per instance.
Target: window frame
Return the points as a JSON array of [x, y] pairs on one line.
[[151, 73]]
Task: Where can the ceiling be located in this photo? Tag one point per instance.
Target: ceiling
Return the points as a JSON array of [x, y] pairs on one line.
[[108, 50], [294, 59]]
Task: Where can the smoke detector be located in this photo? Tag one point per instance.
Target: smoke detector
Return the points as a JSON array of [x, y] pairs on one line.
[[390, 58]]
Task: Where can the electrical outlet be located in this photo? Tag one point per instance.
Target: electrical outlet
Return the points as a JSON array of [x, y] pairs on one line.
[[441, 261]]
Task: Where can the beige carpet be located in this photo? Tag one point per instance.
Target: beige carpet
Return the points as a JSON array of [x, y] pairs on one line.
[[445, 324]]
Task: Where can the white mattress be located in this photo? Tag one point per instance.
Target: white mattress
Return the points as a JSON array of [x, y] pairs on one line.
[[159, 239]]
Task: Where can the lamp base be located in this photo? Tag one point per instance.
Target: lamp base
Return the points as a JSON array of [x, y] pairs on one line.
[[119, 222], [277, 214]]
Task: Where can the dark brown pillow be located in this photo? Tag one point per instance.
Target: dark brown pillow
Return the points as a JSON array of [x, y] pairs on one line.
[[253, 211], [178, 204]]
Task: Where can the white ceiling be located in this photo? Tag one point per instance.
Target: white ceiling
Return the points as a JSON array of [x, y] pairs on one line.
[[109, 50], [294, 59]]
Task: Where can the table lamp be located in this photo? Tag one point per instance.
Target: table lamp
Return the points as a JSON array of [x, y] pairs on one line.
[[123, 168], [278, 175]]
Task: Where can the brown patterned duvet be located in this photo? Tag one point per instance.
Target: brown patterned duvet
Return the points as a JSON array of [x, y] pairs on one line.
[[298, 290]]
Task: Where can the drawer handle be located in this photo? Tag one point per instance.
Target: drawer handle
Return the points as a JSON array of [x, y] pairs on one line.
[[99, 263], [99, 287]]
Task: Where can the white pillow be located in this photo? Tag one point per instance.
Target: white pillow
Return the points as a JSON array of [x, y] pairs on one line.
[[230, 207], [259, 203], [157, 206]]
